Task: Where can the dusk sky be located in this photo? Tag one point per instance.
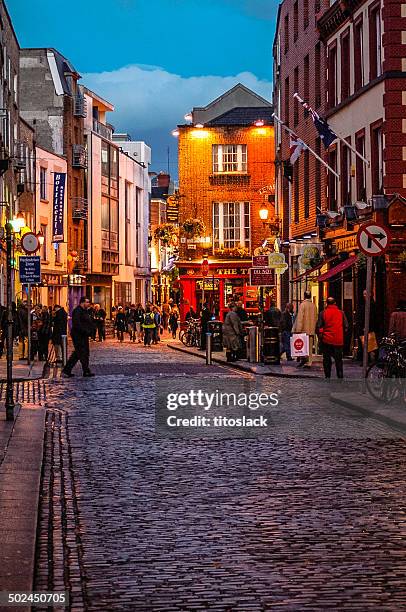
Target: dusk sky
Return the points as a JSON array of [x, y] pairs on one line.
[[156, 60]]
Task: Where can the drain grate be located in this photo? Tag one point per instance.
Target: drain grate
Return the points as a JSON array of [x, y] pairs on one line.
[[26, 391]]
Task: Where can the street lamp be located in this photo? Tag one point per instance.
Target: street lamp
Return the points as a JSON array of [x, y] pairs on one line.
[[264, 213], [14, 226]]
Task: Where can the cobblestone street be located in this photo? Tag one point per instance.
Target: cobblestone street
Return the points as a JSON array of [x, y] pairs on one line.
[[313, 517]]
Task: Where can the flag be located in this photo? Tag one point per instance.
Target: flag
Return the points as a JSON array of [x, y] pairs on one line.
[[296, 148], [326, 133]]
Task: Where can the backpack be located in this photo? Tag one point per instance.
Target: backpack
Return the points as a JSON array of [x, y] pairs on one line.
[[149, 319]]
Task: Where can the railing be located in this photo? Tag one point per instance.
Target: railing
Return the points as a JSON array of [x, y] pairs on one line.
[[79, 156], [79, 208], [19, 161], [80, 108], [102, 129]]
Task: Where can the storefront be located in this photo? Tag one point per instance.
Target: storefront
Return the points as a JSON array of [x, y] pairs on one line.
[[53, 290], [224, 282], [99, 291]]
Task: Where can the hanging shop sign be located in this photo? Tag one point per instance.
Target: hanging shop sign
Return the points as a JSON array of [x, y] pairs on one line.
[[172, 210], [208, 284], [58, 207], [260, 261], [262, 277]]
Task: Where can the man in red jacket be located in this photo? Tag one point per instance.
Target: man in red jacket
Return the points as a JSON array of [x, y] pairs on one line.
[[331, 327]]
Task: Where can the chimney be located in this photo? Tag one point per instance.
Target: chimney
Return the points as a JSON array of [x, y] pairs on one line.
[[163, 179]]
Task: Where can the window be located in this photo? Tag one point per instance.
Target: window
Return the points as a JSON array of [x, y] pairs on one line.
[[360, 166], [345, 65], [57, 248], [345, 182], [43, 183], [229, 158], [287, 101], [295, 21], [44, 249], [295, 102], [358, 55], [305, 13], [15, 88], [332, 76], [332, 180], [231, 224], [105, 159], [377, 158], [127, 234], [286, 33], [138, 235], [296, 190], [375, 43], [317, 177], [306, 159], [317, 76]]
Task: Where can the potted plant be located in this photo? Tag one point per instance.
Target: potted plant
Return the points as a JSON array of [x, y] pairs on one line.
[[193, 228], [164, 232]]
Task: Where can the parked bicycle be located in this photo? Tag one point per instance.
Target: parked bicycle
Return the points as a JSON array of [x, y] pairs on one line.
[[386, 378], [191, 335]]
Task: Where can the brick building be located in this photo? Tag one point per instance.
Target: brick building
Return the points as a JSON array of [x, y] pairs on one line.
[[52, 101], [226, 172]]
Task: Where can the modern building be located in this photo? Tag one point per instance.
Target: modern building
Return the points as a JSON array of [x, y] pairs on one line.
[[54, 255], [226, 173], [53, 103]]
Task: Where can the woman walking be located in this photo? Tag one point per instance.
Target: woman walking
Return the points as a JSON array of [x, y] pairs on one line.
[[174, 320], [232, 333], [138, 321], [120, 324]]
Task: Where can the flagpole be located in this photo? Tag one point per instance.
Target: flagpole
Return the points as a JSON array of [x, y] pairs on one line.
[[347, 144], [321, 160]]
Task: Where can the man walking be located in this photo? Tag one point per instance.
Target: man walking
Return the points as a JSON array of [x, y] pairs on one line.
[[332, 326], [305, 323], [82, 329], [286, 327]]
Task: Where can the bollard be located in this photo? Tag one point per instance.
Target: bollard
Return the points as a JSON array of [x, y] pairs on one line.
[[209, 340], [64, 350], [253, 344]]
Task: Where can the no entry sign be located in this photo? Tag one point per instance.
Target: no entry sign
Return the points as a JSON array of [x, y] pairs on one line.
[[373, 239]]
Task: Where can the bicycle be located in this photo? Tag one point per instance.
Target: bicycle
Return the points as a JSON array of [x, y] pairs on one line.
[[386, 378], [191, 335]]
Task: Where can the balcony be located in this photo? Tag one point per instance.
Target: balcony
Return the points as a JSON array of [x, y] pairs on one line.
[[239, 180], [19, 160], [79, 208], [79, 156], [105, 131], [80, 108]]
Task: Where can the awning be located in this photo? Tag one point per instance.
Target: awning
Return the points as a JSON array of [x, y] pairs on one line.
[[308, 272], [347, 263]]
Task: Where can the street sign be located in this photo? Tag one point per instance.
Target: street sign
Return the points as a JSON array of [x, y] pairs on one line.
[[262, 277], [172, 209], [30, 242], [30, 269], [373, 239], [260, 261]]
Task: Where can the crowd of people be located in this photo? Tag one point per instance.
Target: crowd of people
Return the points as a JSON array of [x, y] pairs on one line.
[[145, 324]]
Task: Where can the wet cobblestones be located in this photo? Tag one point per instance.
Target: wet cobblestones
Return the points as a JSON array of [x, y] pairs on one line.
[[293, 522]]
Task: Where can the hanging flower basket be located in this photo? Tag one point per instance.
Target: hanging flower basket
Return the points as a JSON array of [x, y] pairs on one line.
[[164, 232], [402, 258], [238, 252], [193, 228]]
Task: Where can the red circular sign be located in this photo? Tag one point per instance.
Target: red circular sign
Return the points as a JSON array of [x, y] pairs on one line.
[[205, 267], [298, 344]]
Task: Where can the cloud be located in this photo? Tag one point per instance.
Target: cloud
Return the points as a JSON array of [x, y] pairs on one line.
[[149, 101]]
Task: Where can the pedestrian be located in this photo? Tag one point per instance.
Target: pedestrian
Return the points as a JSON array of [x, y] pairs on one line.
[[100, 322], [120, 324], [91, 311], [148, 326], [305, 323], [166, 311], [22, 316], [241, 312], [44, 334], [273, 316], [36, 324], [59, 329], [131, 322], [157, 321], [232, 333], [331, 328], [286, 328], [191, 314], [397, 322], [138, 320], [174, 320], [82, 330], [205, 317]]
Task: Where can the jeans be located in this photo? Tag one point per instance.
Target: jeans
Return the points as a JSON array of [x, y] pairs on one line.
[[148, 335], [332, 352], [286, 336]]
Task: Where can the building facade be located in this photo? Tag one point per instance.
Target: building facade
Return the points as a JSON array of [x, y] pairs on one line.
[[53, 103], [226, 172]]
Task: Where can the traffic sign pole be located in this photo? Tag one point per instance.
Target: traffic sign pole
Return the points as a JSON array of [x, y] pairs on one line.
[[29, 324], [366, 320]]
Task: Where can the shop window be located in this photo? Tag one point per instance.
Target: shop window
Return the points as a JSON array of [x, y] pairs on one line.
[[231, 225], [229, 158]]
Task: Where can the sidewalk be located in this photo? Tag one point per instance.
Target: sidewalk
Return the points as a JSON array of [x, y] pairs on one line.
[[21, 371], [390, 414], [287, 369]]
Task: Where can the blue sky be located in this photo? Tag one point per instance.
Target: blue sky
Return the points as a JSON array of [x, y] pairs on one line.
[[155, 60]]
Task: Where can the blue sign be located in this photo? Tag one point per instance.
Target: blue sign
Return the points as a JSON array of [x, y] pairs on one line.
[[30, 269], [58, 206]]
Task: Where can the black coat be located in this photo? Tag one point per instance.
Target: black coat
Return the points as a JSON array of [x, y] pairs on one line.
[[287, 321], [272, 317], [60, 326], [82, 325]]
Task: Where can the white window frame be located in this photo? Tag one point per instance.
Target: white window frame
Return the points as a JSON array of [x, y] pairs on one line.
[[43, 187], [221, 211], [222, 152], [378, 30]]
